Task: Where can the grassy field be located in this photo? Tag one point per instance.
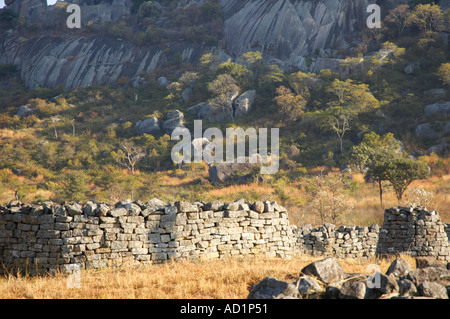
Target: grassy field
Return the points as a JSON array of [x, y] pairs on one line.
[[230, 278]]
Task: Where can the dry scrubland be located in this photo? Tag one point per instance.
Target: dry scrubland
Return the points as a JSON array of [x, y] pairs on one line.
[[187, 185], [365, 197], [230, 278]]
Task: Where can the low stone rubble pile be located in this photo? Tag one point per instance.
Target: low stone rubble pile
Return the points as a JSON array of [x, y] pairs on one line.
[[325, 279]]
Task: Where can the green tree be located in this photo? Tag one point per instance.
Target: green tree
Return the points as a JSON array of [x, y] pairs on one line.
[[292, 106], [148, 9], [239, 72], [427, 17], [400, 172], [254, 62], [270, 76], [398, 17], [352, 100], [250, 58], [302, 83], [373, 150], [224, 88]]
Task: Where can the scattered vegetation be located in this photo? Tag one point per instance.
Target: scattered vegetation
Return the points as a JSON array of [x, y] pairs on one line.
[[80, 144]]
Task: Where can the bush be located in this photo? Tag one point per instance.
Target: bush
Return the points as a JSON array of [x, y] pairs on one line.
[[148, 9]]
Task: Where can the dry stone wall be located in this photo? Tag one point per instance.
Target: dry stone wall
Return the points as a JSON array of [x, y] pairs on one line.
[[415, 230], [342, 242], [49, 236]]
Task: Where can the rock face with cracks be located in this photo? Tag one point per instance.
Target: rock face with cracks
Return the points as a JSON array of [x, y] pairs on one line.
[[300, 34]]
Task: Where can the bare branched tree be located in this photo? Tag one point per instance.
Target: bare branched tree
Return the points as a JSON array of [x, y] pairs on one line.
[[129, 155]]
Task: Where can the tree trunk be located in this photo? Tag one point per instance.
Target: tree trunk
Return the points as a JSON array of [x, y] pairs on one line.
[[381, 193]]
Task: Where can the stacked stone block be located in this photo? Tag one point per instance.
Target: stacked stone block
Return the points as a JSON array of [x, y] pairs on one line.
[[414, 230], [96, 235], [341, 242]]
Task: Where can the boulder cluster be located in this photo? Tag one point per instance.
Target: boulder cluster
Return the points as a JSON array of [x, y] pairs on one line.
[[326, 279]]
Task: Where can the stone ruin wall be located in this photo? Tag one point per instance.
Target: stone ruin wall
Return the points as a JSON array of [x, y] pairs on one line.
[[48, 236], [415, 230]]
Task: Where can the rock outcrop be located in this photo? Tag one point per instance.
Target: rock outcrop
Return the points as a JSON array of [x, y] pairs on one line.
[[174, 121], [239, 106], [49, 61], [292, 33], [147, 126], [244, 103], [331, 282], [240, 171], [288, 31]]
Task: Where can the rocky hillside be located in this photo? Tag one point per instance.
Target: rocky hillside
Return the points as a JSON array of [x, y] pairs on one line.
[[295, 33], [74, 102]]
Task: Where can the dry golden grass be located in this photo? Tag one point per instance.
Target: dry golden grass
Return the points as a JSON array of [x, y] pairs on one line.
[[230, 278]]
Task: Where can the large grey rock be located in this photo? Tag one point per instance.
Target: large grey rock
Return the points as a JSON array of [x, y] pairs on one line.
[[77, 61], [89, 208], [24, 110], [117, 212], [35, 11], [440, 149], [308, 285], [214, 206], [258, 207], [175, 120], [102, 210], [433, 131], [185, 207], [271, 288], [417, 276], [74, 209], [233, 172], [244, 103], [147, 126], [410, 68], [137, 81], [399, 268], [432, 289], [156, 202], [199, 144], [406, 287], [287, 32], [186, 95], [215, 114], [352, 290], [326, 270], [195, 109], [438, 92], [163, 81], [291, 29], [437, 109], [386, 284]]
